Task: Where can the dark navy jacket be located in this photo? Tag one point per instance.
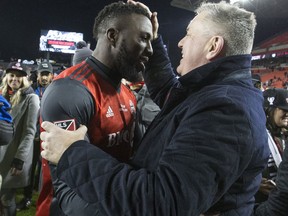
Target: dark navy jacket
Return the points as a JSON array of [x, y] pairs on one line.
[[205, 150]]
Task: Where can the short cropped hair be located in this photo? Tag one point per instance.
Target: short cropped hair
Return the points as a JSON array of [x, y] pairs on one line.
[[234, 24], [114, 11]]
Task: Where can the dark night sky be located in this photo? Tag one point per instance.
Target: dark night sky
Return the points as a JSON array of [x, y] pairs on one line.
[[21, 21]]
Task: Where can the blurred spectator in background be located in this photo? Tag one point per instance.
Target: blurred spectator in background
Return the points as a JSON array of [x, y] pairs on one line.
[[6, 123], [16, 158], [6, 130], [1, 75], [44, 78], [32, 77], [81, 53], [276, 109], [256, 80], [276, 205], [58, 71], [146, 108]]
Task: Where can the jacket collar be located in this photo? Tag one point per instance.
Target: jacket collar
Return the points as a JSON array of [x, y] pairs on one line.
[[218, 70]]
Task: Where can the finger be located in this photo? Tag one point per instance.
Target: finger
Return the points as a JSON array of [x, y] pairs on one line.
[[48, 126], [49, 157], [154, 17], [13, 171], [44, 154], [141, 5], [81, 131], [17, 172], [270, 186], [155, 25], [43, 136], [131, 2], [43, 145]]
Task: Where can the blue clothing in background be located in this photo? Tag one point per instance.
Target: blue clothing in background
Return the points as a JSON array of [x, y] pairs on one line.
[[4, 107]]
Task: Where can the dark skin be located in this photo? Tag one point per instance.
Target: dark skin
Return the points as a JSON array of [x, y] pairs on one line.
[[266, 186], [118, 41], [129, 35]]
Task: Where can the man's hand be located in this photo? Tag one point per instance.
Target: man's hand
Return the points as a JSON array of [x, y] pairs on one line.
[[15, 172], [153, 17], [55, 140], [266, 186]]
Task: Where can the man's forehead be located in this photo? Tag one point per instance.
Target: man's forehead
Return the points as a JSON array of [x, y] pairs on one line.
[[195, 21], [137, 18], [44, 73], [140, 22], [189, 26]]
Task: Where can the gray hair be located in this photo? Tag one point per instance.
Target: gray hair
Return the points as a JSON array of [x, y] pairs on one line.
[[234, 24]]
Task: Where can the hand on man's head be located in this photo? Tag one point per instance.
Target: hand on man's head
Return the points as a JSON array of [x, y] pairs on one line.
[[153, 17]]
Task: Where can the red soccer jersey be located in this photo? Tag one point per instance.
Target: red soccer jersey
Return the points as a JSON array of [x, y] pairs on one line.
[[84, 94]]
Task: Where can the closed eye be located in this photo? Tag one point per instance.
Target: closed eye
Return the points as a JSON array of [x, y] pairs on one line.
[[146, 37]]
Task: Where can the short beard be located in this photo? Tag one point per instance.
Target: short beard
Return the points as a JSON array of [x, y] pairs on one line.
[[43, 84], [126, 65]]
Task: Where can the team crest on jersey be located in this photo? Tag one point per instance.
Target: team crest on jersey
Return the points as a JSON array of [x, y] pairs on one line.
[[68, 124], [123, 108]]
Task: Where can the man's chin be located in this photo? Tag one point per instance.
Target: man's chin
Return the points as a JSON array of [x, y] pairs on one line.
[[140, 67], [44, 84], [137, 77], [179, 70]]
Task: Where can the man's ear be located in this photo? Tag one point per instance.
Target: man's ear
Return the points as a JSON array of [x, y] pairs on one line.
[[112, 35], [215, 47]]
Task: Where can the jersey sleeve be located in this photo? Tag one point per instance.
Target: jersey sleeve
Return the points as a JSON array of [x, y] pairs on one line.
[[67, 103]]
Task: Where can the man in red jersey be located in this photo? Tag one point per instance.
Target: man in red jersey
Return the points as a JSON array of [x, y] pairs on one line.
[[91, 92], [203, 153]]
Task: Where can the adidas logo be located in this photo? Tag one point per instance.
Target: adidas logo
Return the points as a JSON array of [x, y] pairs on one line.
[[109, 112]]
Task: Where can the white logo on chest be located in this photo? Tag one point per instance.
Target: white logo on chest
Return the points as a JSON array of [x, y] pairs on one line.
[[109, 112]]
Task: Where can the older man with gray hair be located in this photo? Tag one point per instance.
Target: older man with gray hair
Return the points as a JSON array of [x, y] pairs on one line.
[[204, 152]]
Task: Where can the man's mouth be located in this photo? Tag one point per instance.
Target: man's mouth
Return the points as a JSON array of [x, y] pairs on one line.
[[143, 61]]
